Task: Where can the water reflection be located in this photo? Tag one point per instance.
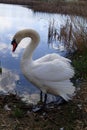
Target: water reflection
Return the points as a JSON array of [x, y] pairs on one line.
[[71, 36], [8, 81], [58, 33]]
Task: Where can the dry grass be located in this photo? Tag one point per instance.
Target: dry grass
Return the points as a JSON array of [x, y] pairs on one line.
[[72, 35], [70, 116], [74, 8]]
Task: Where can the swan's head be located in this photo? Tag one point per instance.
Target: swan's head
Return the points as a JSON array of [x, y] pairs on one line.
[[23, 34], [16, 40]]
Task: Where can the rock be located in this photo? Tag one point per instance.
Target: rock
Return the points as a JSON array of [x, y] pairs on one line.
[[6, 107]]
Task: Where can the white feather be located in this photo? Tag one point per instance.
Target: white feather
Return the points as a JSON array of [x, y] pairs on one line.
[[50, 73]]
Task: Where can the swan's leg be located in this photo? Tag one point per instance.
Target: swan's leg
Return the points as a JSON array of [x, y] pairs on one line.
[[41, 102], [45, 98], [41, 96]]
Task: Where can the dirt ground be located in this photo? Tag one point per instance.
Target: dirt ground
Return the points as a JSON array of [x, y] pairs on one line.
[[16, 115]]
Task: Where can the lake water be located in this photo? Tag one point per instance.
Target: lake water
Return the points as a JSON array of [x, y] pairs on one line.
[[12, 19]]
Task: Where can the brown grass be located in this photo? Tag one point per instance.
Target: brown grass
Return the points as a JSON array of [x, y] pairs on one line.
[[73, 34], [74, 8], [71, 116]]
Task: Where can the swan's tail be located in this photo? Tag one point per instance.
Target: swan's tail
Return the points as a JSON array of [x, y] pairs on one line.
[[67, 91], [63, 88]]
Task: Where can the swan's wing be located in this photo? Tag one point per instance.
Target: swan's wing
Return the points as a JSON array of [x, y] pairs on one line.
[[61, 58], [52, 71], [51, 57], [44, 59]]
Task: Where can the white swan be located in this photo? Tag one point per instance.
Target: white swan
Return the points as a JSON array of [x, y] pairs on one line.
[[51, 73]]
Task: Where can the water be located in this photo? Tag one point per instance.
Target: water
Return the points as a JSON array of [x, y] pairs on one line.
[[12, 19]]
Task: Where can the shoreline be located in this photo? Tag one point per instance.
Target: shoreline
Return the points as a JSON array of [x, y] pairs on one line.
[[70, 8]]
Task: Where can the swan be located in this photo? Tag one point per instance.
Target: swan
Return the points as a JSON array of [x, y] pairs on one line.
[[50, 73]]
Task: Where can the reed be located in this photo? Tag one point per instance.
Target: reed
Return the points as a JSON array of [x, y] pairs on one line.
[[72, 35]]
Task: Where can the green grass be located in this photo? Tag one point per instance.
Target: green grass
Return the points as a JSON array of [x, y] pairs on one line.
[[18, 113], [80, 65]]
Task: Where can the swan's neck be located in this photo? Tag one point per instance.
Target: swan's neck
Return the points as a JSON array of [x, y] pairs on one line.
[[31, 46]]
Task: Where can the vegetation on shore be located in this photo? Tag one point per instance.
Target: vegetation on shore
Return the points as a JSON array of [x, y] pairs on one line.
[[58, 6], [73, 36], [80, 64]]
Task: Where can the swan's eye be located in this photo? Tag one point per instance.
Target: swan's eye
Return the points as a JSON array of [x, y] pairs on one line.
[[14, 43]]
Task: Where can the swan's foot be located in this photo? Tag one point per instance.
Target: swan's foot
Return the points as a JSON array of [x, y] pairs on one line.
[[41, 105], [60, 101]]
